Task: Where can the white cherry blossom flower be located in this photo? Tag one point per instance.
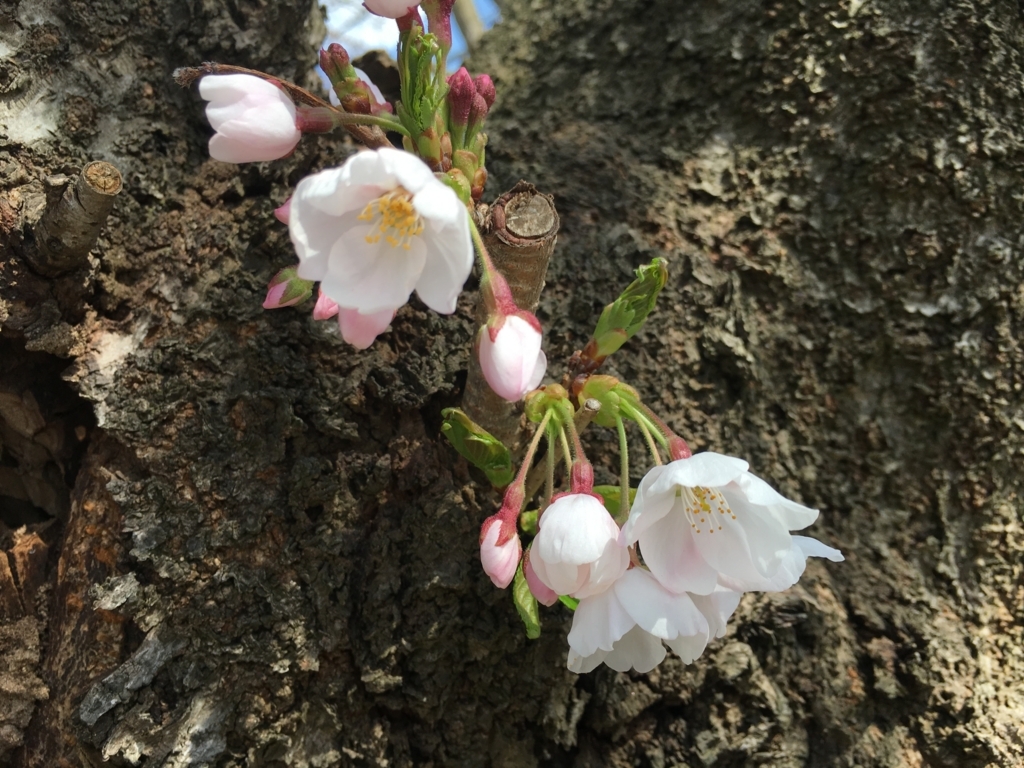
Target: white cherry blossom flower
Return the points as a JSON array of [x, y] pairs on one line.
[[577, 550], [253, 118], [628, 626], [377, 228], [705, 520], [391, 9]]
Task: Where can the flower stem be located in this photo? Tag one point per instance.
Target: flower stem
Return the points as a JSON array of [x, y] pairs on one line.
[[652, 446], [549, 479], [524, 467], [566, 453], [623, 470]]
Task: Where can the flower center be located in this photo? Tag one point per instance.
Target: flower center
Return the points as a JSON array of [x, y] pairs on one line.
[[700, 505], [394, 218]]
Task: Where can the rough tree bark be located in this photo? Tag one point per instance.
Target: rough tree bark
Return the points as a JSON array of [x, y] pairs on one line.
[[251, 548]]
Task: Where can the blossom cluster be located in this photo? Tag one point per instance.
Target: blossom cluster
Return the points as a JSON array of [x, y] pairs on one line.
[[702, 531], [661, 566]]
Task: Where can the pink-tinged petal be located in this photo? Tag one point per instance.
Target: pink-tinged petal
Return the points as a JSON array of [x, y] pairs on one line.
[[253, 118], [544, 594], [656, 610], [508, 361], [636, 650], [324, 309], [274, 295], [702, 469], [360, 330], [499, 561], [539, 369], [669, 549], [389, 9], [791, 515], [597, 624]]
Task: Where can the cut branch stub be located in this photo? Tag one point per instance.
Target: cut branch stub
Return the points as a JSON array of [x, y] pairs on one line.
[[70, 225], [519, 231]]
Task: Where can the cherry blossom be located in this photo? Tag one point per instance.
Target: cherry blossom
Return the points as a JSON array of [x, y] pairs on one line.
[[254, 119], [377, 228], [500, 550], [705, 520]]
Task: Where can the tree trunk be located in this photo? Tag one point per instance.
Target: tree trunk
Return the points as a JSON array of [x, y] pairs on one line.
[[252, 548]]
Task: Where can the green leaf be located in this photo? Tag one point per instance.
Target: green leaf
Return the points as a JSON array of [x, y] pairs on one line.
[[569, 602], [528, 521], [526, 604], [612, 497], [479, 447], [625, 316]]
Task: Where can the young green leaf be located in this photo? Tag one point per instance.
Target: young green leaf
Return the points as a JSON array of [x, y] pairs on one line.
[[526, 604], [479, 447]]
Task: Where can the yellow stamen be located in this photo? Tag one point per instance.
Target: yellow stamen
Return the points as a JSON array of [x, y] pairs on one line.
[[395, 219], [698, 504]]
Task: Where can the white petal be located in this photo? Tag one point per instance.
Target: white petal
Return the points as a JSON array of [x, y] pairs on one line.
[[637, 650], [703, 469], [408, 170], [690, 648], [814, 548], [717, 608], [597, 624], [538, 372], [314, 235], [747, 544], [449, 262], [792, 515], [582, 664], [562, 578], [669, 549], [371, 277], [440, 204], [604, 571], [574, 529], [656, 610], [648, 507]]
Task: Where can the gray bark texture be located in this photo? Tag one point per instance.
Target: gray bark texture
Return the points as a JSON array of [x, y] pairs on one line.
[[231, 540]]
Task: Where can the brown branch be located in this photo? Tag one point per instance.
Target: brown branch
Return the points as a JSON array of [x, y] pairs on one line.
[[519, 231], [70, 225]]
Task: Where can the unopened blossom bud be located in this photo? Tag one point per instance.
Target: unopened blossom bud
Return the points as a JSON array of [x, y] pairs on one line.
[[282, 213], [390, 9], [510, 355], [335, 62], [485, 87], [476, 188], [286, 289], [461, 92], [582, 477], [478, 110], [500, 549], [254, 120], [678, 449], [545, 595], [324, 309]]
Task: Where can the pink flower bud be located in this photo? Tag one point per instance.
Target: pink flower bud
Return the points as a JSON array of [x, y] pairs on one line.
[[282, 213], [390, 9], [582, 477], [361, 330], [545, 595], [286, 289], [254, 119], [510, 356], [324, 309], [485, 87], [460, 96], [478, 111], [500, 550], [335, 62]]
